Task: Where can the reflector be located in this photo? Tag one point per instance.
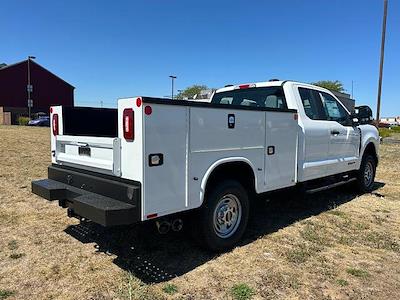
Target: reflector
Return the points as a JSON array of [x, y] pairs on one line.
[[148, 110]]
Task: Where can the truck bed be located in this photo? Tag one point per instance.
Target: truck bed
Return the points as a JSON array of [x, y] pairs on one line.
[[90, 121]]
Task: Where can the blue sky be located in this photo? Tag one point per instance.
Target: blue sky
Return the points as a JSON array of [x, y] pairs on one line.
[[112, 49]]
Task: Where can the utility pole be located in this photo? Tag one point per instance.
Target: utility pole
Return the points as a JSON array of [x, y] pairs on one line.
[[29, 87], [172, 85], [378, 105], [352, 96]]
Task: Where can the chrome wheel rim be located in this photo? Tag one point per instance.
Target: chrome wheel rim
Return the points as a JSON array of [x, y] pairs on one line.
[[368, 174], [227, 216]]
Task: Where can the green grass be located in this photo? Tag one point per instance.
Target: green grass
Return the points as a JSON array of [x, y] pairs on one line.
[[242, 291], [342, 282], [386, 132], [337, 213], [396, 129], [170, 289], [5, 294], [358, 272]]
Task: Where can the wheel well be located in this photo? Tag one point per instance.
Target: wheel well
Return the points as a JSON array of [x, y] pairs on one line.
[[370, 150], [239, 171]]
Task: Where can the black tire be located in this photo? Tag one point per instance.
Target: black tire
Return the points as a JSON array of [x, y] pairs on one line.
[[366, 174], [221, 199]]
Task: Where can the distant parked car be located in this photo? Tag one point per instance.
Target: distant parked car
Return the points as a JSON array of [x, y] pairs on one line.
[[41, 121]]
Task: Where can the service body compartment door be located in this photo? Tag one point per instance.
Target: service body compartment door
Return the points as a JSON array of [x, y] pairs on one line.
[[98, 154], [281, 150], [164, 183]]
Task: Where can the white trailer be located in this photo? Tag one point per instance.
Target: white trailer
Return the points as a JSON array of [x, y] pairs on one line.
[[155, 158]]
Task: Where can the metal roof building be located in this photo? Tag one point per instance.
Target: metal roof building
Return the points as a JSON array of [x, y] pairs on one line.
[[47, 89]]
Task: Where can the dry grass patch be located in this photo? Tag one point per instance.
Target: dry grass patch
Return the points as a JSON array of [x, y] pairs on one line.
[[334, 245]]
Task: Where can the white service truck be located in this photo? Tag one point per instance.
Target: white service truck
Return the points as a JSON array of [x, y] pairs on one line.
[[156, 158]]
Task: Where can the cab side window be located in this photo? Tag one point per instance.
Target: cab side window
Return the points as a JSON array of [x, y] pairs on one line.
[[312, 104], [334, 110]]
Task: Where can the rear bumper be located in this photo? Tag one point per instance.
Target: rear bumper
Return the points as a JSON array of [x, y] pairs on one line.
[[106, 200]]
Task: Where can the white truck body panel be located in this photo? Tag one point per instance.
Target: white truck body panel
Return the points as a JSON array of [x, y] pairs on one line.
[[197, 139]]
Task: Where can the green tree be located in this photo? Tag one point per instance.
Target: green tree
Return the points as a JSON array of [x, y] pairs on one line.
[[190, 91], [336, 85]]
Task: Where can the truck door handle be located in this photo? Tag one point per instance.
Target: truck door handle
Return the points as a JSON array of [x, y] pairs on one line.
[[335, 132]]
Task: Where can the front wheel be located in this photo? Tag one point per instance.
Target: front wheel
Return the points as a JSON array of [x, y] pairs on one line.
[[224, 216], [366, 174]]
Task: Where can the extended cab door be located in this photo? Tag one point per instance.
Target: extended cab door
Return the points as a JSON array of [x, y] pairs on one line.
[[344, 138], [314, 137]]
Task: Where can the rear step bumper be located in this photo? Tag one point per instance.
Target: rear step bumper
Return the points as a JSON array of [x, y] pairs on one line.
[[103, 199]]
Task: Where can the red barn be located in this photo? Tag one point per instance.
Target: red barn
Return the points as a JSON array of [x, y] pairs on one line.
[[47, 89]]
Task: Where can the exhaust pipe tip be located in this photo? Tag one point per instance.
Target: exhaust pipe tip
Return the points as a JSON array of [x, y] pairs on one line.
[[163, 227], [177, 225]]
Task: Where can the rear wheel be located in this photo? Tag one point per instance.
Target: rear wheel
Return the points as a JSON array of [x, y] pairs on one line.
[[224, 216], [366, 174]]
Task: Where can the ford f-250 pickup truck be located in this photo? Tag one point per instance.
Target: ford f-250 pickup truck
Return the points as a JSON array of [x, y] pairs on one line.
[[154, 158]]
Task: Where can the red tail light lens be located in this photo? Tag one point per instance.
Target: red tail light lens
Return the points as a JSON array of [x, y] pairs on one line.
[[127, 121], [54, 123]]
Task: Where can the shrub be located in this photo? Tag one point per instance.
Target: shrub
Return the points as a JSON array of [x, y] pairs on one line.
[[23, 120]]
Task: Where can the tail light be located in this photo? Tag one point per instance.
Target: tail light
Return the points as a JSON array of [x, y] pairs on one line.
[[127, 121], [55, 126]]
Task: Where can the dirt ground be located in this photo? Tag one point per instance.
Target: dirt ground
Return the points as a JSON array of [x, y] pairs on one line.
[[334, 245]]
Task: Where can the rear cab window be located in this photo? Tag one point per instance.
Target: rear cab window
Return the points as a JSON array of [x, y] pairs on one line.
[[263, 97]]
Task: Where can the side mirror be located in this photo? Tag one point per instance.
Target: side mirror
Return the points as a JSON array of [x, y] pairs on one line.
[[362, 115]]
